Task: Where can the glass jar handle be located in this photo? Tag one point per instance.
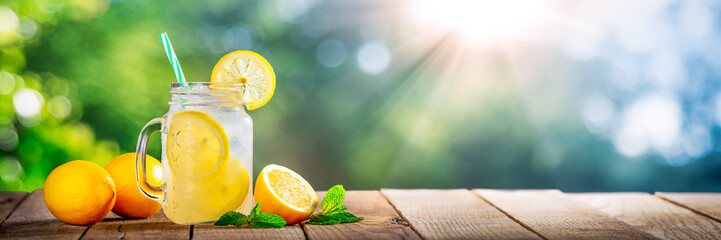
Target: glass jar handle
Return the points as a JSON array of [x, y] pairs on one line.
[[140, 153]]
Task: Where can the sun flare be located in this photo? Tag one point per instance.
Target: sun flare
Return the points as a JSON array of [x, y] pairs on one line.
[[478, 22]]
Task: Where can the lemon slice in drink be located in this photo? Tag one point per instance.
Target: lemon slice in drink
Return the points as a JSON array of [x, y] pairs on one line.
[[252, 70], [196, 145], [223, 191]]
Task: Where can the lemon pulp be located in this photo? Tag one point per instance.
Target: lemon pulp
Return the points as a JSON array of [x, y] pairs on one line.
[[287, 187]]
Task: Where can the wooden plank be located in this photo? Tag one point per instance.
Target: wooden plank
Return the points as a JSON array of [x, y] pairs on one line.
[[454, 214], [708, 204], [156, 227], [556, 216], [8, 202], [660, 218], [208, 231], [381, 220], [33, 220], [216, 233]]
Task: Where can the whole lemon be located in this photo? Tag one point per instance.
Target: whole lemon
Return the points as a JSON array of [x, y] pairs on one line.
[[131, 202], [79, 192]]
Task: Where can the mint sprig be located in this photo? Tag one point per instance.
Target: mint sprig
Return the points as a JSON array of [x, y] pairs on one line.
[[343, 217], [256, 219], [232, 218], [332, 209]]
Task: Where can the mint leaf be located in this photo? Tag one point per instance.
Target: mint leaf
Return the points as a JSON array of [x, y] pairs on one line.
[[333, 199], [254, 212], [267, 225], [347, 217], [333, 218], [322, 220], [338, 209], [267, 220], [332, 211], [232, 218], [256, 219]]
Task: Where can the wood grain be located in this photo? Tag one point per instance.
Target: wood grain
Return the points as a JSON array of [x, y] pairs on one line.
[[8, 202], [33, 220], [430, 214], [454, 214], [381, 220], [708, 204], [556, 216], [156, 227], [215, 232], [660, 218]]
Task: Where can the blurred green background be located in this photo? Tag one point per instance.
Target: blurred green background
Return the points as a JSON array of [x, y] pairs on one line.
[[473, 94]]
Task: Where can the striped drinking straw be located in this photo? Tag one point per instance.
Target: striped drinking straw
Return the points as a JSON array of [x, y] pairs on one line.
[[173, 59]]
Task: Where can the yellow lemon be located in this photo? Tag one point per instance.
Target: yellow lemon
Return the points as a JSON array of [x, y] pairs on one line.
[[225, 190], [282, 191], [130, 201], [252, 70], [196, 144], [79, 192]]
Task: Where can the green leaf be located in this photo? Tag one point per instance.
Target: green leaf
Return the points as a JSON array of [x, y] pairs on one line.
[[347, 217], [333, 218], [267, 220], [256, 219], [338, 209], [254, 212], [232, 218], [322, 220], [333, 199]]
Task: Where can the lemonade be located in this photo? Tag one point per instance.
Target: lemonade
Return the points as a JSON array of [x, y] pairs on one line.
[[207, 140], [209, 157]]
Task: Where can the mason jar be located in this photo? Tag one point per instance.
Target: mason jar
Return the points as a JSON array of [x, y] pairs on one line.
[[207, 153]]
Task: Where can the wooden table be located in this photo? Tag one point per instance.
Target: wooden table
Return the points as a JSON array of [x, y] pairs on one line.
[[422, 214]]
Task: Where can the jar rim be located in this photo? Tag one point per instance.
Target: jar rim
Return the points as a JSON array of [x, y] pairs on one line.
[[187, 84], [207, 93], [206, 87]]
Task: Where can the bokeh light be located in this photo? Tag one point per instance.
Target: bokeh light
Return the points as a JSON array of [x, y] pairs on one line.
[[374, 57], [331, 53], [579, 96], [7, 83], [8, 137], [8, 19], [59, 107], [28, 103], [10, 170]]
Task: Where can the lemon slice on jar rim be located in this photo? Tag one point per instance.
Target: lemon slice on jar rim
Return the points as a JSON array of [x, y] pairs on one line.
[[252, 70]]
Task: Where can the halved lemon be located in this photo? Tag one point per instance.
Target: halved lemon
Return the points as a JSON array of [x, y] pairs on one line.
[[252, 70], [282, 191], [196, 145]]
